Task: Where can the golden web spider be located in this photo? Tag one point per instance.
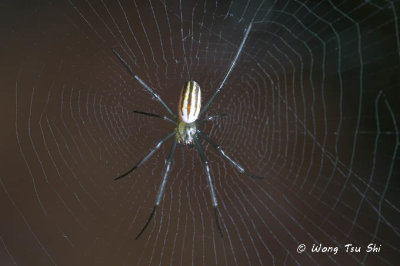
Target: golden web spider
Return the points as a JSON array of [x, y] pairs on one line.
[[186, 131]]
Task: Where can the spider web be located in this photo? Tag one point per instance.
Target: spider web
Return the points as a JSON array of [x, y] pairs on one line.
[[312, 107]]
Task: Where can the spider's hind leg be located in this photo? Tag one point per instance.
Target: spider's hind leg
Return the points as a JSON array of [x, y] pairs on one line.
[[211, 117], [163, 117], [232, 65], [142, 83]]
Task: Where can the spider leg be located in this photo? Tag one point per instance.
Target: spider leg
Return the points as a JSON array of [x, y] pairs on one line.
[[211, 117], [218, 148], [163, 117], [145, 158], [209, 181], [161, 187], [239, 51], [144, 85]]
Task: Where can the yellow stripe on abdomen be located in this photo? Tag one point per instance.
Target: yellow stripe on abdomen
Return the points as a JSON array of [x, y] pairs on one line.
[[189, 102]]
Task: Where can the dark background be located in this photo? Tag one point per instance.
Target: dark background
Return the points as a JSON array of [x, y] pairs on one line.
[[313, 106]]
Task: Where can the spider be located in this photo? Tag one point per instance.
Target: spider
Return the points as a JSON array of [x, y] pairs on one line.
[[187, 131]]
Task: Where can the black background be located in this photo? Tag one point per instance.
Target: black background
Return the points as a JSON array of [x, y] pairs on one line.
[[312, 104]]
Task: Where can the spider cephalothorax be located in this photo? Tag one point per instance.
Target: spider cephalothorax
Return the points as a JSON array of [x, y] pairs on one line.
[[186, 131]]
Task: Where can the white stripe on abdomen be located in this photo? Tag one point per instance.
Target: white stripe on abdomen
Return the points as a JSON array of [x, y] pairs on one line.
[[190, 102]]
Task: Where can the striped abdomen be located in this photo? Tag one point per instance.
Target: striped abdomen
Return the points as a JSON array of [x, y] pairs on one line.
[[190, 102]]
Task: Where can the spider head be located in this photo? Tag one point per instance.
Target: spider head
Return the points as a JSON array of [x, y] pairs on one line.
[[185, 133], [189, 102]]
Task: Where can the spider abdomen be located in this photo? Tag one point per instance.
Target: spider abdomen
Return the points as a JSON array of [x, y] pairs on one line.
[[189, 102]]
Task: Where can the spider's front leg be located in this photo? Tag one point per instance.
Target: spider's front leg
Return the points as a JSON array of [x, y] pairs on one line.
[[234, 163], [145, 158], [209, 182], [161, 187]]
